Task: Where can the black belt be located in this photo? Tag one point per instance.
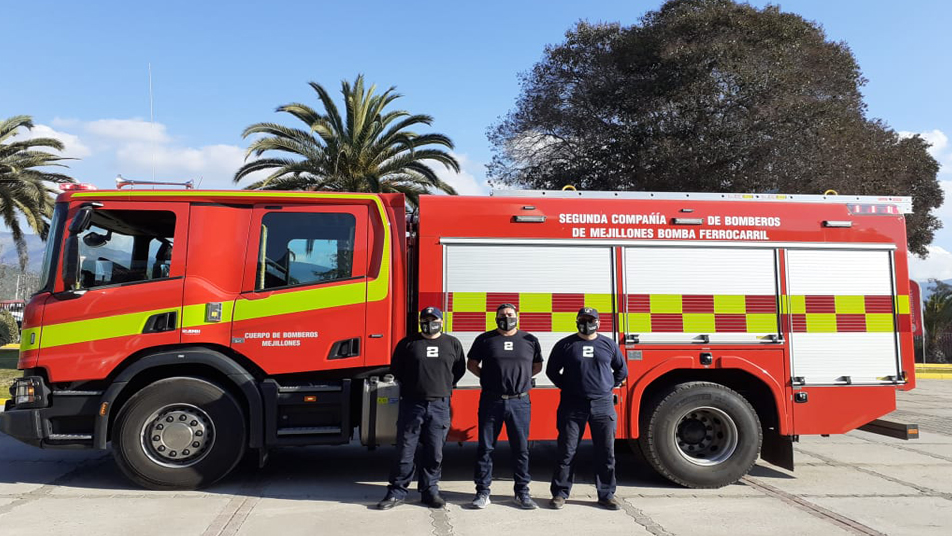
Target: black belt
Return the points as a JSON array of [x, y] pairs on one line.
[[507, 397], [423, 398]]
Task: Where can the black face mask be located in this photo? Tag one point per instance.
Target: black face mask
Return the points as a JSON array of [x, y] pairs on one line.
[[430, 328], [587, 328], [506, 323]]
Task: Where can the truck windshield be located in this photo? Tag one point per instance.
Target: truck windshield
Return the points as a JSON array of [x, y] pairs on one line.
[[53, 241]]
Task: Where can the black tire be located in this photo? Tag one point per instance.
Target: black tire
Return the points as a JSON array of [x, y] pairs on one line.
[[150, 427], [701, 435]]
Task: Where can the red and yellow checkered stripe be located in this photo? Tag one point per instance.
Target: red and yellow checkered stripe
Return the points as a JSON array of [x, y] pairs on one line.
[[844, 314], [538, 312], [705, 313], [681, 313]]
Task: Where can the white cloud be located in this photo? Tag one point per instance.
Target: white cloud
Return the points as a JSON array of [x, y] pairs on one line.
[[465, 182], [938, 265], [135, 147], [65, 122], [211, 166], [128, 130], [74, 148]]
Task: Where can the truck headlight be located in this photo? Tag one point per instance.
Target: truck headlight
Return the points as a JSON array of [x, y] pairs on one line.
[[29, 392]]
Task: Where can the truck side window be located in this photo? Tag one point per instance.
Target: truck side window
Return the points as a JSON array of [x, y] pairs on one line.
[[126, 246], [304, 248]]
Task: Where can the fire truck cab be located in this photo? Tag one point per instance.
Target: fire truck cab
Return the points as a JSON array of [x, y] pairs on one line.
[[185, 328]]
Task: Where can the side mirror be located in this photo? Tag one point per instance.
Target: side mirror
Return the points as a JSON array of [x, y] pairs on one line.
[[95, 240], [82, 220]]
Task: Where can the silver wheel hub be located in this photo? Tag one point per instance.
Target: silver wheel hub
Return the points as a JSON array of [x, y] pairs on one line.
[[178, 435], [706, 436]]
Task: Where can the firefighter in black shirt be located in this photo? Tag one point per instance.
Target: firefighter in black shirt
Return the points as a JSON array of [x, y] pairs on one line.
[[427, 365], [586, 366], [505, 359]]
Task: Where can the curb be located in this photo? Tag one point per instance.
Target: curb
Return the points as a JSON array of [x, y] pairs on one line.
[[933, 376], [933, 371]]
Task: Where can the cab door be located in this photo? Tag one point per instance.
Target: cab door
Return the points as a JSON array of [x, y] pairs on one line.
[[128, 293], [304, 291]]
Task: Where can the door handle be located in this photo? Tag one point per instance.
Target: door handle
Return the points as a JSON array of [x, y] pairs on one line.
[[344, 349], [161, 322]]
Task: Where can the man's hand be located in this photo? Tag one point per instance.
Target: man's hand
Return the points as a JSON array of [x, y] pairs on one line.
[[473, 367]]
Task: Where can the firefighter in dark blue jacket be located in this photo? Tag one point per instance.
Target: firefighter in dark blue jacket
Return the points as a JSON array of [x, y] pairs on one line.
[[586, 366], [427, 365], [505, 359]]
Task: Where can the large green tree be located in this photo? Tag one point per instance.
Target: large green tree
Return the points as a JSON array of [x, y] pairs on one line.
[[25, 191], [367, 149], [709, 95]]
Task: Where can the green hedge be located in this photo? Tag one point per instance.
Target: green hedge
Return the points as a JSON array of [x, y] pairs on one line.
[[9, 331]]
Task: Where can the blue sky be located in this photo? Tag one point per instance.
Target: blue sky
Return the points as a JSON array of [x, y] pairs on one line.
[[81, 70]]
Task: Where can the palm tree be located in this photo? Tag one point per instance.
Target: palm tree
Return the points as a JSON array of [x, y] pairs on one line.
[[937, 319], [24, 190], [367, 150]]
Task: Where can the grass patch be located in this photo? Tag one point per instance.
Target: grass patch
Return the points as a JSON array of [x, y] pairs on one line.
[[8, 370]]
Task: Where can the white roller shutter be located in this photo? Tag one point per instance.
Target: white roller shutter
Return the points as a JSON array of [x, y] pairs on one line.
[[855, 340], [539, 270], [726, 295]]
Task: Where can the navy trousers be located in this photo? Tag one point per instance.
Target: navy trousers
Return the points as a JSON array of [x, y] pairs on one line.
[[425, 424], [573, 414], [515, 414]]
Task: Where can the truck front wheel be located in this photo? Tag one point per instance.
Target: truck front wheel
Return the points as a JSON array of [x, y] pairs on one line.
[[701, 435], [179, 433]]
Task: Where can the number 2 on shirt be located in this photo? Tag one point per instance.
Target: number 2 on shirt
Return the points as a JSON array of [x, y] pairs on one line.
[[433, 351], [588, 351], [507, 345]]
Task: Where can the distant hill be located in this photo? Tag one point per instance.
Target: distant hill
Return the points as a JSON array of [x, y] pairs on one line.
[[34, 247], [928, 288]]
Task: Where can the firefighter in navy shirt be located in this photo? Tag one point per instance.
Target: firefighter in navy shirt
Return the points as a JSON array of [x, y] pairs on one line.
[[586, 366], [505, 359], [427, 365]]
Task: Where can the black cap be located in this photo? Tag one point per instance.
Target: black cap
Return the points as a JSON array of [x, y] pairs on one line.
[[588, 311], [506, 306], [431, 311]]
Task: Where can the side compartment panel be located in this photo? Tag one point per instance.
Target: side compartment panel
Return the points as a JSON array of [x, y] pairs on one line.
[[841, 309], [687, 295], [547, 283]]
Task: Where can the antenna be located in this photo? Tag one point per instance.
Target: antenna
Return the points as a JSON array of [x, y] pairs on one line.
[[152, 119]]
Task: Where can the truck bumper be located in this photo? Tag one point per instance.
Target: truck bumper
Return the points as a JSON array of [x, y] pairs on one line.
[[66, 423], [21, 424]]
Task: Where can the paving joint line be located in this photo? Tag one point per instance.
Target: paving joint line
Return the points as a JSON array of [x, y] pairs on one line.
[[923, 490], [815, 510], [440, 520], [909, 449], [643, 519], [234, 514]]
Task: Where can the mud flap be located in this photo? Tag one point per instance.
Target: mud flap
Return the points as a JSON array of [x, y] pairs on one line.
[[778, 449]]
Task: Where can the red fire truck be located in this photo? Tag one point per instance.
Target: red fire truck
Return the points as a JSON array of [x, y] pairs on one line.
[[188, 327]]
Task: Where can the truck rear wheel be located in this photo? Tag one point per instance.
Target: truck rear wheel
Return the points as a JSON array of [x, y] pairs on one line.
[[179, 433], [701, 435]]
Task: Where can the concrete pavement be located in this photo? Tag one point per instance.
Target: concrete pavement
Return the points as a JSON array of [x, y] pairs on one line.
[[857, 483]]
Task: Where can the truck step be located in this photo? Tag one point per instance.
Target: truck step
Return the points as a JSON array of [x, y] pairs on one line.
[[311, 388], [310, 430], [69, 437]]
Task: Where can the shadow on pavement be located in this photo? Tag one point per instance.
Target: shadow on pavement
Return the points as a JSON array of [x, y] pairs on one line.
[[348, 474]]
